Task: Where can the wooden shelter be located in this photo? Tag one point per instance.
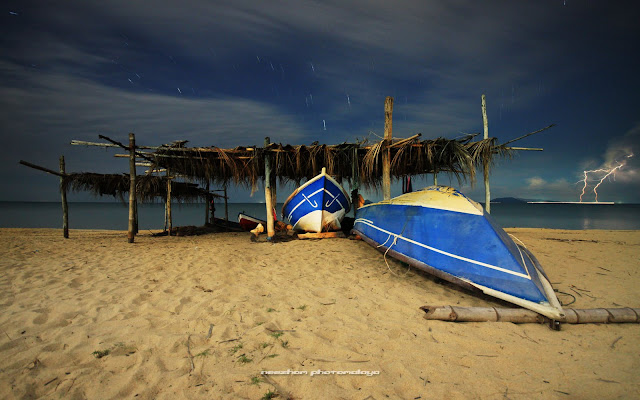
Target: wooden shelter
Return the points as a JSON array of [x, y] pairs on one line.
[[370, 164]]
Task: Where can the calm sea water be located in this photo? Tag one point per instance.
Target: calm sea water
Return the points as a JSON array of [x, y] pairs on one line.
[[151, 216]]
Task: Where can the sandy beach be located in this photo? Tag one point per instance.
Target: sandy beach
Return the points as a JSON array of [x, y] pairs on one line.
[[201, 317]]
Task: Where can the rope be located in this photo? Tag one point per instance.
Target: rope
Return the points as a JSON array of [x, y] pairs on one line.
[[395, 241]]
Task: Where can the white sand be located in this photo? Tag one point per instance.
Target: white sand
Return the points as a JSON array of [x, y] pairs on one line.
[[153, 303]]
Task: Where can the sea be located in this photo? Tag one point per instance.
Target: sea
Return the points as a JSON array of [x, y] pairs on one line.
[[115, 215]]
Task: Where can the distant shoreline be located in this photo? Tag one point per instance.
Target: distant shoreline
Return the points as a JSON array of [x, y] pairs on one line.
[[573, 202]]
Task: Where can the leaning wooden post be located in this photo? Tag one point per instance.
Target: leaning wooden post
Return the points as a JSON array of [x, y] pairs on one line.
[[485, 163], [386, 151], [267, 190], [168, 206], [132, 187], [65, 206]]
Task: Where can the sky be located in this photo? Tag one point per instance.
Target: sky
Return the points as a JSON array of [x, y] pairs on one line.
[[230, 73]]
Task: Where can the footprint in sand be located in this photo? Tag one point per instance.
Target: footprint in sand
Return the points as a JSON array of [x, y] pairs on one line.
[[42, 318], [141, 299], [183, 301]]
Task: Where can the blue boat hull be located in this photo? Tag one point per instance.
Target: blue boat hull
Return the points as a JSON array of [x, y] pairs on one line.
[[318, 205], [452, 237]]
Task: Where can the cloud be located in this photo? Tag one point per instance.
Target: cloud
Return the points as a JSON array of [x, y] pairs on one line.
[[42, 118], [617, 176], [536, 182], [625, 151]]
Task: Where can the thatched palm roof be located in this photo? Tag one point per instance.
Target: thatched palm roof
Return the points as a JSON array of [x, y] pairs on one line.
[[361, 162], [148, 187]]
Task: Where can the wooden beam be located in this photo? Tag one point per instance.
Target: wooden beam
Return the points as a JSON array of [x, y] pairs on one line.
[[386, 152], [267, 192], [43, 169], [487, 190], [525, 148], [139, 154], [65, 206], [98, 144], [132, 188], [529, 134], [403, 141]]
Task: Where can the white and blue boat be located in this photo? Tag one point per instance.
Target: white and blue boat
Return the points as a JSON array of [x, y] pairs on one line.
[[318, 205], [441, 231]]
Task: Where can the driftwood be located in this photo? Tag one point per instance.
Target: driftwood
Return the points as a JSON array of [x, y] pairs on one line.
[[521, 315]]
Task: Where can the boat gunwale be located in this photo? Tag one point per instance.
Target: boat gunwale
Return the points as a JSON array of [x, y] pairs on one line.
[[323, 173]]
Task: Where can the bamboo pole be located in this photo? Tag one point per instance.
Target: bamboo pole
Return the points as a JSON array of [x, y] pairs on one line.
[[521, 315], [386, 152], [267, 191], [487, 190], [115, 142], [206, 208], [135, 215], [525, 148], [529, 134], [65, 206], [39, 168], [168, 205], [226, 206], [132, 188], [403, 141], [355, 179], [274, 195]]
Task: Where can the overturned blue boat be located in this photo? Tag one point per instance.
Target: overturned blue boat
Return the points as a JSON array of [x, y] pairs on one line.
[[318, 205], [441, 231]]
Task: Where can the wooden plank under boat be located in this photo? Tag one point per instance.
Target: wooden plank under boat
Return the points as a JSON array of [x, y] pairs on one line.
[[441, 231]]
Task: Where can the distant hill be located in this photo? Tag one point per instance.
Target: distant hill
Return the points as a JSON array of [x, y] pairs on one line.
[[508, 200]]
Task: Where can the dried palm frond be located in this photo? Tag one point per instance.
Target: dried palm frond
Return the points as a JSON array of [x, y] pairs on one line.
[[148, 187]]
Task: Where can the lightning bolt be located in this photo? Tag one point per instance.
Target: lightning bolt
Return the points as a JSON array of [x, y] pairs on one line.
[[586, 177], [608, 172]]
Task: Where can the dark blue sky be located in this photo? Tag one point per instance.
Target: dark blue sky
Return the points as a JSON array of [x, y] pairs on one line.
[[231, 73]]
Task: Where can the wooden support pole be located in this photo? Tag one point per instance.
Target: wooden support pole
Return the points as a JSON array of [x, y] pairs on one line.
[[274, 194], [168, 205], [132, 188], [355, 182], [521, 315], [65, 206], [435, 179], [487, 191], [206, 208], [226, 205], [135, 215], [267, 191], [386, 152]]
